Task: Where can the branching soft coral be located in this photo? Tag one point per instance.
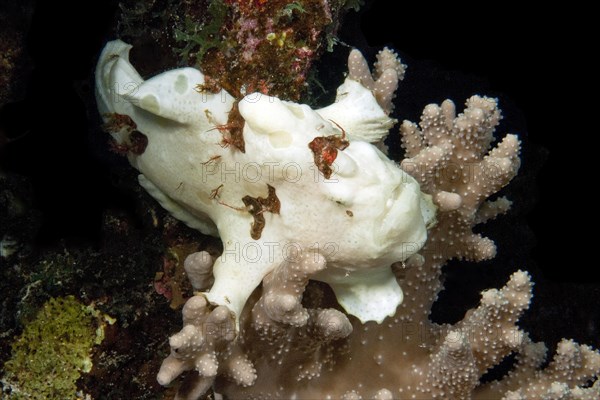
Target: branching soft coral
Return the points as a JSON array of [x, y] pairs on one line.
[[450, 157], [204, 345], [383, 82], [566, 377]]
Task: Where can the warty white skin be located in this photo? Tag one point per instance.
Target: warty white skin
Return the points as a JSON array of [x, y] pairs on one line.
[[369, 215]]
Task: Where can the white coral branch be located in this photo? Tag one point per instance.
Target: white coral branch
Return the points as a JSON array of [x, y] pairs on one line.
[[383, 82], [450, 156], [283, 289], [491, 209]]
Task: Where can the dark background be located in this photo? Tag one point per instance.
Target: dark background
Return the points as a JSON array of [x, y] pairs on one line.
[[538, 69], [525, 57]]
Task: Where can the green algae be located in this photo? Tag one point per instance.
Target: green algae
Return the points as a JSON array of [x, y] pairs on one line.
[[202, 37], [53, 350]]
